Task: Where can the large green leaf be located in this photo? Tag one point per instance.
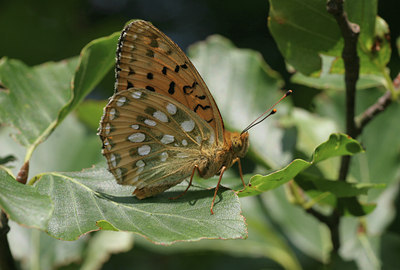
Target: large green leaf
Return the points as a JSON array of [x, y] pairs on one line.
[[337, 145], [36, 99], [70, 148], [92, 200], [23, 203], [305, 31], [302, 30], [33, 97], [264, 242], [244, 86], [96, 59]]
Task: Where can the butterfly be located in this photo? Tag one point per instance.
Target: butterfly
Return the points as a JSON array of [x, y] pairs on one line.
[[162, 123]]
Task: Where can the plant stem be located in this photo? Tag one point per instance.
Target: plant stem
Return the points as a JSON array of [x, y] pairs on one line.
[[350, 32], [382, 103], [6, 258], [374, 110]]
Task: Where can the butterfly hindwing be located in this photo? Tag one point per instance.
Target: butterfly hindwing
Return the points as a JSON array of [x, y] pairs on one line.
[[152, 141], [148, 59]]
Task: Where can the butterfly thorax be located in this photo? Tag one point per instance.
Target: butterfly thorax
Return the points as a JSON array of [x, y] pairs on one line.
[[235, 146]]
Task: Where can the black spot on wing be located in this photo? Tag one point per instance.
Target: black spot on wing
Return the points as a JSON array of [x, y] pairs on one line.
[[154, 43], [150, 76], [164, 70], [130, 85], [187, 89], [131, 71], [150, 53], [150, 88], [202, 107], [177, 68], [201, 97], [171, 89]]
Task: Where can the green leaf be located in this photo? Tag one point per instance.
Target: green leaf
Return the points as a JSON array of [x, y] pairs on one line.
[[90, 111], [326, 80], [96, 60], [37, 99], [380, 163], [340, 189], [337, 145], [299, 38], [22, 203], [264, 242], [304, 43], [92, 198], [327, 192], [244, 86], [33, 97]]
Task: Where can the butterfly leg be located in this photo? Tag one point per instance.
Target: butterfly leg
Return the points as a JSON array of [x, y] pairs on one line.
[[190, 183], [216, 189], [240, 170]]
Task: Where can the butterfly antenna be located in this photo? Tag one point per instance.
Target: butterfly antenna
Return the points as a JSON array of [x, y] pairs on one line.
[[271, 111]]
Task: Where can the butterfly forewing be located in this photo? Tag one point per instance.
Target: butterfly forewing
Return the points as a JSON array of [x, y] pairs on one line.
[[148, 59], [152, 141]]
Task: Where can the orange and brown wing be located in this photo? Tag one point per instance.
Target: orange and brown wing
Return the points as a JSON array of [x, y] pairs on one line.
[[147, 58]]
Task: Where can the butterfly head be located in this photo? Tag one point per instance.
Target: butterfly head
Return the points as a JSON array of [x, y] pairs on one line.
[[239, 143]]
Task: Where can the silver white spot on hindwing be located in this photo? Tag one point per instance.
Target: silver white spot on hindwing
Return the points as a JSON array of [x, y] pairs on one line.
[[163, 156], [184, 142], [113, 160], [144, 150], [137, 137], [171, 108], [135, 126], [136, 94], [121, 101], [140, 164], [212, 139], [160, 116], [187, 125], [150, 122], [108, 129], [166, 139], [112, 114]]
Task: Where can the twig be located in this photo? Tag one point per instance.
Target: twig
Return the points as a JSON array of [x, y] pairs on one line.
[[350, 32], [374, 110], [6, 258], [321, 217]]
